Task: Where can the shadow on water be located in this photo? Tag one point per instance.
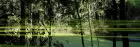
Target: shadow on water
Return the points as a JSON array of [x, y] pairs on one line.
[[62, 41], [132, 36], [35, 41], [68, 41]]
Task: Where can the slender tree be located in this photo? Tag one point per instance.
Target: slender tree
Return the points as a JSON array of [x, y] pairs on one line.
[[89, 20], [80, 23], [114, 18], [3, 16], [97, 18], [4, 23], [122, 16], [22, 5], [51, 16]]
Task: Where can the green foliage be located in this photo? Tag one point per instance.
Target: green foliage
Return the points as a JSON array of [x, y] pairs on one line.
[[134, 2]]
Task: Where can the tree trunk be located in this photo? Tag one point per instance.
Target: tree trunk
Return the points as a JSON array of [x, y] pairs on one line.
[[82, 37], [123, 17], [50, 14], [3, 24], [114, 18], [80, 23], [90, 26], [22, 37]]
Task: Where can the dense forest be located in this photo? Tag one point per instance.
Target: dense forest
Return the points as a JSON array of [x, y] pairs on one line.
[[69, 23]]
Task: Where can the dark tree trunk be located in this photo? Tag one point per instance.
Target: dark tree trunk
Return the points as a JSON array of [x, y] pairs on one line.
[[97, 18], [51, 16], [114, 40], [3, 24], [22, 37], [114, 18], [82, 37], [80, 23], [123, 17]]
